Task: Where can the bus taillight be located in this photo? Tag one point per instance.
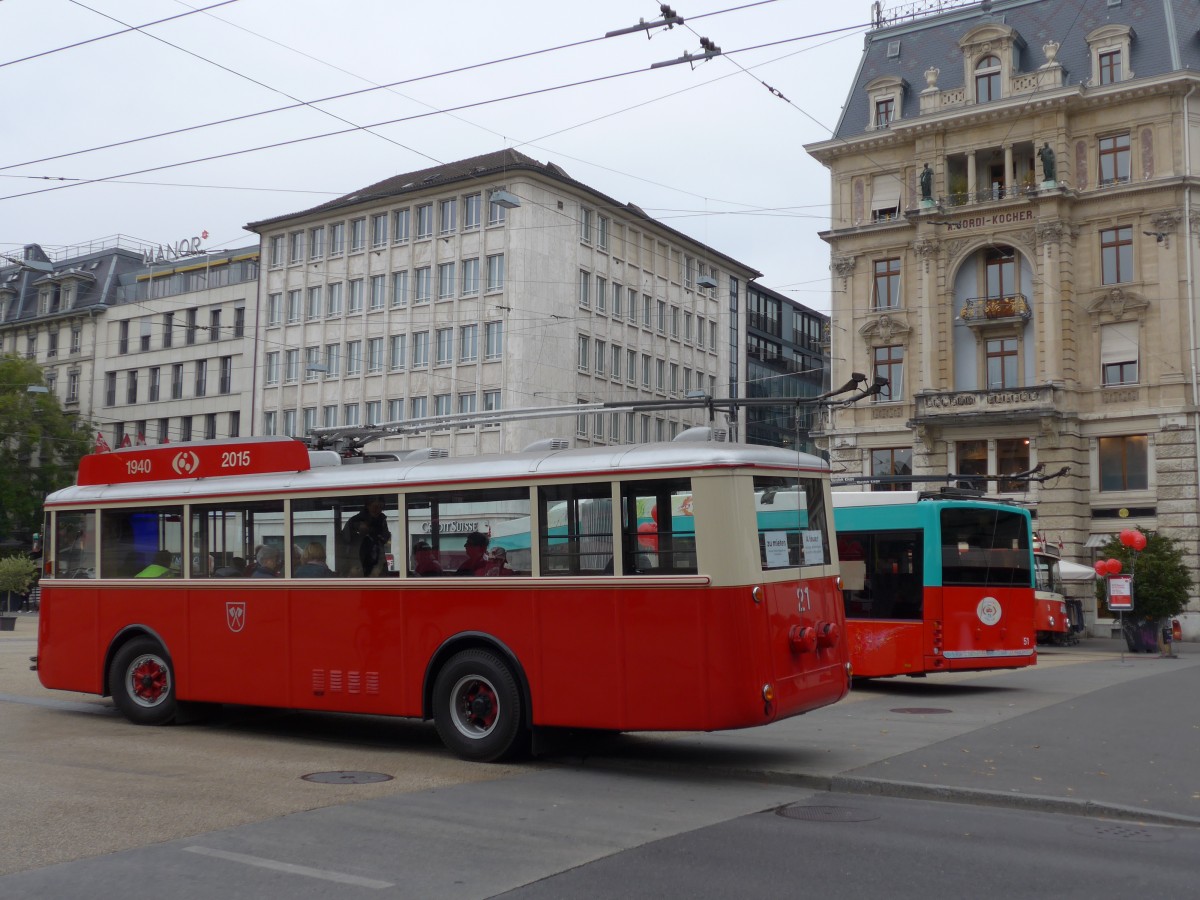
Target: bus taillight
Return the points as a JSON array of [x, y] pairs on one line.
[[803, 638], [827, 634]]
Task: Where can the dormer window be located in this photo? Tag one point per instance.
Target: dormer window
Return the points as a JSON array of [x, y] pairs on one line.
[[886, 98], [987, 79], [1109, 47], [884, 110]]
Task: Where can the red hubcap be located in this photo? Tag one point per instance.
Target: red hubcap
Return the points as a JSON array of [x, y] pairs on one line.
[[479, 705], [148, 681]]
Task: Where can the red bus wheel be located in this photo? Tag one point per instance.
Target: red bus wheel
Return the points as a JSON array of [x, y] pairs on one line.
[[477, 707], [142, 682]]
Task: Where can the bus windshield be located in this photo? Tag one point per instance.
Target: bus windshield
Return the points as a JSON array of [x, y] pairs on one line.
[[985, 547]]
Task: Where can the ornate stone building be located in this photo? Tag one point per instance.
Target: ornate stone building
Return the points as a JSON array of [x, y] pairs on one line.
[[1032, 300]]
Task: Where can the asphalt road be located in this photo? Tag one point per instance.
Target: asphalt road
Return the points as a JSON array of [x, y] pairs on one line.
[[1076, 767]]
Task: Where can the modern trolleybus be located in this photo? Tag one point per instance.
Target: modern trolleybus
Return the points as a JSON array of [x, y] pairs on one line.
[[720, 624], [1051, 616], [934, 585]]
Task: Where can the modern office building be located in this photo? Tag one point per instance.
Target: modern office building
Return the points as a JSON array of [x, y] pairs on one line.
[[1013, 246], [490, 283]]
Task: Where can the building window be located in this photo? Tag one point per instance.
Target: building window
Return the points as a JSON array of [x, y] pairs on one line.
[[333, 360], [395, 410], [316, 242], [447, 216], [350, 414], [424, 284], [446, 282], [1124, 463], [353, 358], [177, 377], [226, 377], [885, 198], [235, 424], [889, 364], [600, 357], [442, 404], [497, 214], [214, 325], [1003, 364], [470, 277], [210, 427], [468, 343], [602, 232], [585, 225], [122, 341], [1119, 353], [76, 339], [987, 79], [425, 221], [378, 291], [185, 428], [444, 346], [472, 208], [291, 367], [296, 247], [887, 284], [375, 354], [355, 304], [400, 289], [1116, 255], [335, 300], [155, 384], [419, 407], [313, 310], [491, 401], [493, 340], [131, 386], [400, 225], [329, 415], [397, 351], [1000, 272], [420, 350], [585, 284], [884, 112], [276, 257], [581, 360], [893, 462], [1114, 159], [312, 363], [374, 412], [337, 238], [379, 228], [358, 234], [1012, 456], [495, 272], [601, 294], [1110, 67]]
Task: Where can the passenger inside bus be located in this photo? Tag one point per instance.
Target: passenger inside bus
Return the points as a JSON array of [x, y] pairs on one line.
[[425, 564], [477, 561], [267, 562], [160, 567], [235, 568], [368, 531], [312, 563]]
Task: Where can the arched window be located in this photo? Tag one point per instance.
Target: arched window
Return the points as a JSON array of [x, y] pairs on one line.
[[987, 79], [1000, 266]]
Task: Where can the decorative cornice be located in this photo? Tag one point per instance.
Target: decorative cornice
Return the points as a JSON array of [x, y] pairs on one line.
[[883, 329], [1117, 303], [842, 266]]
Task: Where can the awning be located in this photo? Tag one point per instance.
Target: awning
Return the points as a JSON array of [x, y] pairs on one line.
[[1074, 572], [1097, 540]]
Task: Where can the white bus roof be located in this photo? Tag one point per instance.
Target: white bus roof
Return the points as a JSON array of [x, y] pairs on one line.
[[457, 471]]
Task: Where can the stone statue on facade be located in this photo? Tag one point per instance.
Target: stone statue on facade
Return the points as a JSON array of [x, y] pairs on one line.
[[1049, 168], [926, 183]]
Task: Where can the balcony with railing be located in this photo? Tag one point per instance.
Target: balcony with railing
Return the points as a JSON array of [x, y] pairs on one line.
[[991, 175], [1011, 308]]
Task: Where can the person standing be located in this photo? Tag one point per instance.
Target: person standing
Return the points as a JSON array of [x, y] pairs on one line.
[[368, 530]]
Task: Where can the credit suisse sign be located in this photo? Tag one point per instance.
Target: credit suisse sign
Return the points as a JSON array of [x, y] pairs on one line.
[[167, 462]]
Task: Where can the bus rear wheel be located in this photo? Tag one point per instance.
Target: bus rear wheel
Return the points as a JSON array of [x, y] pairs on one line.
[[477, 707], [142, 681]]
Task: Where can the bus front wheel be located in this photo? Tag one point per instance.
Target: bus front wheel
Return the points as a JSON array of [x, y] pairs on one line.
[[142, 681], [477, 707]]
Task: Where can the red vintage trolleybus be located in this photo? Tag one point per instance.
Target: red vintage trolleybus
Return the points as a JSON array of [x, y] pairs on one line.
[[640, 591]]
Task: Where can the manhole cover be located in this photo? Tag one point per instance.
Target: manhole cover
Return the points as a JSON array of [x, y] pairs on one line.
[[346, 777], [1124, 832], [825, 813], [921, 710]]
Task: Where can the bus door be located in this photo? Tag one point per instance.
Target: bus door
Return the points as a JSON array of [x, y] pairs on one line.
[[987, 589], [887, 606]]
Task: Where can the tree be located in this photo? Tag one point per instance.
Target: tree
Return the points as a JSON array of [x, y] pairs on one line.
[[1161, 580], [17, 574], [40, 447]]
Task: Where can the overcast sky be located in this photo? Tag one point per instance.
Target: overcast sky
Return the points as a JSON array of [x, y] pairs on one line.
[[710, 150]]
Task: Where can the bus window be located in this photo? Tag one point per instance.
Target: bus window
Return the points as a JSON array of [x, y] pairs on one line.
[[131, 538], [985, 547], [576, 529], [882, 574], [653, 541], [75, 547], [230, 533], [791, 522], [446, 519], [353, 531]]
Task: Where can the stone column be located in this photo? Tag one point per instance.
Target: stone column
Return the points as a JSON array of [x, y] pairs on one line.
[[1010, 180], [971, 188], [1049, 311]]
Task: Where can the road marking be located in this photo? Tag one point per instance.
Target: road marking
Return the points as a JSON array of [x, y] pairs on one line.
[[324, 874]]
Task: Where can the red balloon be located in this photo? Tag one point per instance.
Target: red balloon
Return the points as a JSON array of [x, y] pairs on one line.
[[1139, 541], [1114, 567], [1126, 537], [654, 513], [648, 536], [1101, 566]]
